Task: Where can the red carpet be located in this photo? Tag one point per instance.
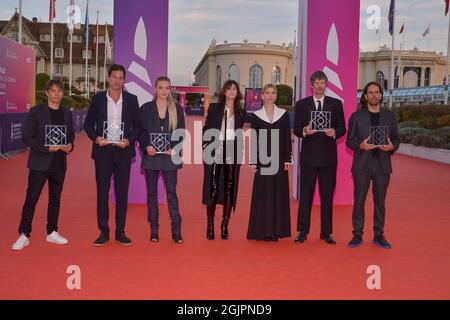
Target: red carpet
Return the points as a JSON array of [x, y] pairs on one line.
[[418, 225]]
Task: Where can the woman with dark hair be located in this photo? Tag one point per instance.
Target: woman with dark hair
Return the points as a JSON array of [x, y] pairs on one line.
[[221, 164], [161, 118]]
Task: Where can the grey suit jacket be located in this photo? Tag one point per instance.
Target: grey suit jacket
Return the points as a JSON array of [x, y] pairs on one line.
[[358, 131], [150, 124]]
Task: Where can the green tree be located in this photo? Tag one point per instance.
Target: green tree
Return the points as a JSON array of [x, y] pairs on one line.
[[284, 97]]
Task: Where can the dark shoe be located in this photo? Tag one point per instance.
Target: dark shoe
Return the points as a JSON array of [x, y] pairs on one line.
[[123, 239], [210, 231], [101, 240], [177, 238], [382, 242], [224, 228], [328, 239], [154, 237], [302, 237], [355, 242], [274, 238]]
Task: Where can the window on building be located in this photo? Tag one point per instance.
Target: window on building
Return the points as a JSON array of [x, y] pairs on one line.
[[380, 78], [218, 79], [256, 77], [396, 78], [59, 69], [59, 53], [276, 75], [89, 71], [89, 54], [15, 35], [233, 73], [427, 79], [75, 38], [45, 37]]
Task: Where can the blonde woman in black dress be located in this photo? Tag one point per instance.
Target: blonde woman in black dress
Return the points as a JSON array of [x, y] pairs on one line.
[[270, 212]]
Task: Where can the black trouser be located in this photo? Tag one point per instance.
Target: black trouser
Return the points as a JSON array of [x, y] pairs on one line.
[[170, 181], [327, 183], [36, 182], [227, 187], [104, 170], [380, 182]]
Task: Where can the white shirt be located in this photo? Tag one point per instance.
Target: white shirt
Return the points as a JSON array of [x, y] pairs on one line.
[[230, 137], [316, 102], [114, 109]]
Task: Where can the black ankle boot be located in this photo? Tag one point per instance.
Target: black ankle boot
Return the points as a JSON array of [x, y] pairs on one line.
[[210, 227], [224, 227]]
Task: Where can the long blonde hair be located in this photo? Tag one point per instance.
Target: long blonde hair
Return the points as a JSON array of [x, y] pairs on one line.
[[171, 107]]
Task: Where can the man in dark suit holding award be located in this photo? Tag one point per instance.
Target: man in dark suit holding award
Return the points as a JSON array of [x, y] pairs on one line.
[[373, 136], [319, 122], [113, 124], [48, 133]]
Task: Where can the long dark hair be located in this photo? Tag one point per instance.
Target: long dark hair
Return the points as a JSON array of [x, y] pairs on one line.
[[237, 101], [363, 100]]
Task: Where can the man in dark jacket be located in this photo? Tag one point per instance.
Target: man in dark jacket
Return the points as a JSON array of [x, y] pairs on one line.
[[48, 133], [113, 125], [318, 158], [371, 160]]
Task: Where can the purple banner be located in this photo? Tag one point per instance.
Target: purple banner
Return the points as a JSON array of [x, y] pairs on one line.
[[12, 125], [253, 99], [140, 44], [17, 76]]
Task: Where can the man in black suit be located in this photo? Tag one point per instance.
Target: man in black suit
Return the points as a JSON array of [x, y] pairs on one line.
[[46, 163], [318, 157], [371, 162], [119, 109]]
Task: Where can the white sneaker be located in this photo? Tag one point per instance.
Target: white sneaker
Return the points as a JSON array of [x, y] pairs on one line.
[[21, 243], [55, 237]]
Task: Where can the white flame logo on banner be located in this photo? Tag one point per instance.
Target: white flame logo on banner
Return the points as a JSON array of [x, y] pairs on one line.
[[333, 57], [140, 50]]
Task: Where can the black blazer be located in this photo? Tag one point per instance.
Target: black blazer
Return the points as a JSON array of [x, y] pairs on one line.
[[215, 117], [358, 131], [214, 121], [319, 150], [33, 136], [150, 124], [98, 114]]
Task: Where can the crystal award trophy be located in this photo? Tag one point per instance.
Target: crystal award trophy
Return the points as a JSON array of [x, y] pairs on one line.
[[55, 135]]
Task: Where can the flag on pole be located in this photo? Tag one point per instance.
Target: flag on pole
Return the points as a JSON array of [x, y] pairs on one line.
[[71, 24], [96, 36], [446, 6], [402, 29], [427, 31], [86, 22], [391, 17], [108, 51], [52, 12], [107, 54]]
